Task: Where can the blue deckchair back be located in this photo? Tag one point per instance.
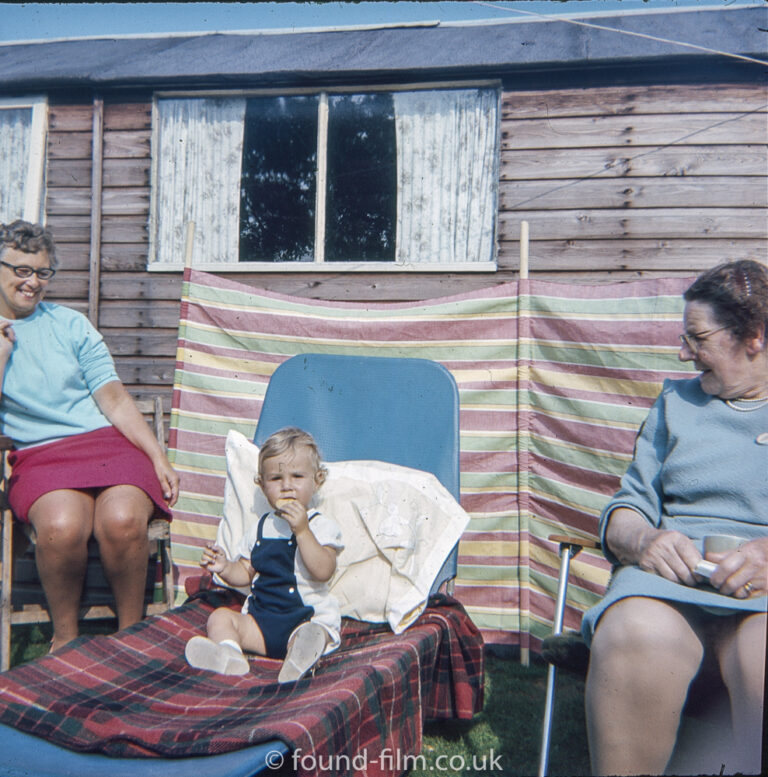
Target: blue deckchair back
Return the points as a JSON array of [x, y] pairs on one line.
[[403, 411]]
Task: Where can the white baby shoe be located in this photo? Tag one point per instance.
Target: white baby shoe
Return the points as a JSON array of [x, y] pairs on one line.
[[305, 648], [204, 653]]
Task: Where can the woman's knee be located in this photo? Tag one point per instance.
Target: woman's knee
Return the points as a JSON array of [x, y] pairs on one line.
[[741, 653], [64, 524], [638, 627], [122, 514]]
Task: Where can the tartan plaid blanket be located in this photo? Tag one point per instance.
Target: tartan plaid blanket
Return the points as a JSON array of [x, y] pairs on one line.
[[133, 694]]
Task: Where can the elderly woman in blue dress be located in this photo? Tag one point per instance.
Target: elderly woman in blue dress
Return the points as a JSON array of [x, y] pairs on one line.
[[700, 468], [85, 461]]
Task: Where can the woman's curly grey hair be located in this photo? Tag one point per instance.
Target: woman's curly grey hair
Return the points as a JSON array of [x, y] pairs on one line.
[[738, 294], [29, 238]]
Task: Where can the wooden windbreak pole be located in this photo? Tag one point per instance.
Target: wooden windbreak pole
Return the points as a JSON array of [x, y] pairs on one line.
[[523, 250], [97, 159], [523, 369], [188, 244]]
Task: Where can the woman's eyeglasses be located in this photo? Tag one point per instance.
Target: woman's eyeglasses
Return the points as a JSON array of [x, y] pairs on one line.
[[694, 340], [25, 271]]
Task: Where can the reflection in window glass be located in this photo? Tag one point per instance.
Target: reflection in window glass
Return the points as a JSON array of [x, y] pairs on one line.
[[362, 178], [277, 193]]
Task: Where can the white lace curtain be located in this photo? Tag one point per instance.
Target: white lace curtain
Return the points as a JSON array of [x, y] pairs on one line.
[[200, 147], [447, 173], [15, 149]]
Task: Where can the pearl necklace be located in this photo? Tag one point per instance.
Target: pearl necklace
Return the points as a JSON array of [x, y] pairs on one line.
[[763, 401]]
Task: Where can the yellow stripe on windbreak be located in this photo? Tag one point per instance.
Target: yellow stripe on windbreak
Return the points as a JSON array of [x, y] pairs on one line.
[[628, 388], [229, 419], [485, 376], [227, 363], [194, 529], [490, 548]]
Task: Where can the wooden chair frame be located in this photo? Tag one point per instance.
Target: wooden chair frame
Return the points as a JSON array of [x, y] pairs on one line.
[[158, 531]]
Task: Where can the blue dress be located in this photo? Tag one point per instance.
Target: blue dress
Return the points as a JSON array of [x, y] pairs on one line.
[[697, 469]]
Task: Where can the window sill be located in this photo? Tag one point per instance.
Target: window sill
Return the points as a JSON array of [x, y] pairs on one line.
[[318, 267]]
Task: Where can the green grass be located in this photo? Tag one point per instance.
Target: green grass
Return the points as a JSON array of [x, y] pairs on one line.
[[503, 739]]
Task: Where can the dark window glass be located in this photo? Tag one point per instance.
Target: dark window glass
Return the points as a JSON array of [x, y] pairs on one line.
[[277, 190], [361, 210]]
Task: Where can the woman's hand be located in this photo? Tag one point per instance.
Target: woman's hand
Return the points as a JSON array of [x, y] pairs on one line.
[[669, 554], [168, 479], [742, 572], [7, 339], [672, 555]]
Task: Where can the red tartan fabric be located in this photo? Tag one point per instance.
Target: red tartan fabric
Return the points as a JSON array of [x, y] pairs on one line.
[[134, 695]]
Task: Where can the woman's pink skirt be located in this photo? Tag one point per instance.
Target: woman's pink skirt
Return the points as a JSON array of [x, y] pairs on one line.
[[97, 459]]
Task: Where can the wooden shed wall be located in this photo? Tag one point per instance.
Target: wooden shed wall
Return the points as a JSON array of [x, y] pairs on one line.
[[615, 182]]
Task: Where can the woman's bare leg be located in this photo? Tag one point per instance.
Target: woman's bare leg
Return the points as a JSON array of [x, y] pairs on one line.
[[644, 655], [120, 527], [740, 649], [63, 522]]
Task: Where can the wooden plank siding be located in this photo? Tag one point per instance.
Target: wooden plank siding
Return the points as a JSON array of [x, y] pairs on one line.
[[615, 182]]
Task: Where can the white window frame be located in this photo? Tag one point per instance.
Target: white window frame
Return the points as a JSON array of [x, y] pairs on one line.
[[319, 264], [34, 185]]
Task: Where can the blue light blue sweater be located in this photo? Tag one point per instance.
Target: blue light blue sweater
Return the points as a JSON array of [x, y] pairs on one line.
[[697, 469], [57, 362]]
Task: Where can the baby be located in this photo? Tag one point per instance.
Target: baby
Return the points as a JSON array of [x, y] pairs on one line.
[[287, 557]]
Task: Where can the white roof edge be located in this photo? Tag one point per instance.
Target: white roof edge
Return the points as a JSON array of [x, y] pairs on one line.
[[521, 16]]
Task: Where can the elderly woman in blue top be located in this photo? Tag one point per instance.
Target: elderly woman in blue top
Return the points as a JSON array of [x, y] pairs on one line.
[[85, 461], [700, 467]]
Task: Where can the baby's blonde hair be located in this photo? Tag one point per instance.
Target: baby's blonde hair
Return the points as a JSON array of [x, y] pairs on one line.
[[290, 439]]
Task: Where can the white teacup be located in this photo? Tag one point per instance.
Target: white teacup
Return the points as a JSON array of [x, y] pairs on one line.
[[721, 543]]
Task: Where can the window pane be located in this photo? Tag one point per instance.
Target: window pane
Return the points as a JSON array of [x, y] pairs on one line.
[[15, 147], [277, 199], [362, 179]]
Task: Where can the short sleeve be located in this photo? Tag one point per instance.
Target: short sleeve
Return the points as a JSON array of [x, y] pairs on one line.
[[93, 356], [326, 531]]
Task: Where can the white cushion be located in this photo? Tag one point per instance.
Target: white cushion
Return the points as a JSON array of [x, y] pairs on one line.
[[398, 526]]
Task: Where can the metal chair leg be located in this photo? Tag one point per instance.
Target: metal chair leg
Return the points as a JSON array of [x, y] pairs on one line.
[[567, 552]]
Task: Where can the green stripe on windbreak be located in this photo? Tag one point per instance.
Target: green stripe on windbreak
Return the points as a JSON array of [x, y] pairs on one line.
[[605, 357], [505, 397], [505, 522], [583, 458], [494, 481], [207, 462], [493, 621], [223, 385], [453, 350], [588, 410], [228, 299], [199, 506], [211, 425], [491, 574], [187, 553], [640, 308], [580, 498], [492, 443]]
